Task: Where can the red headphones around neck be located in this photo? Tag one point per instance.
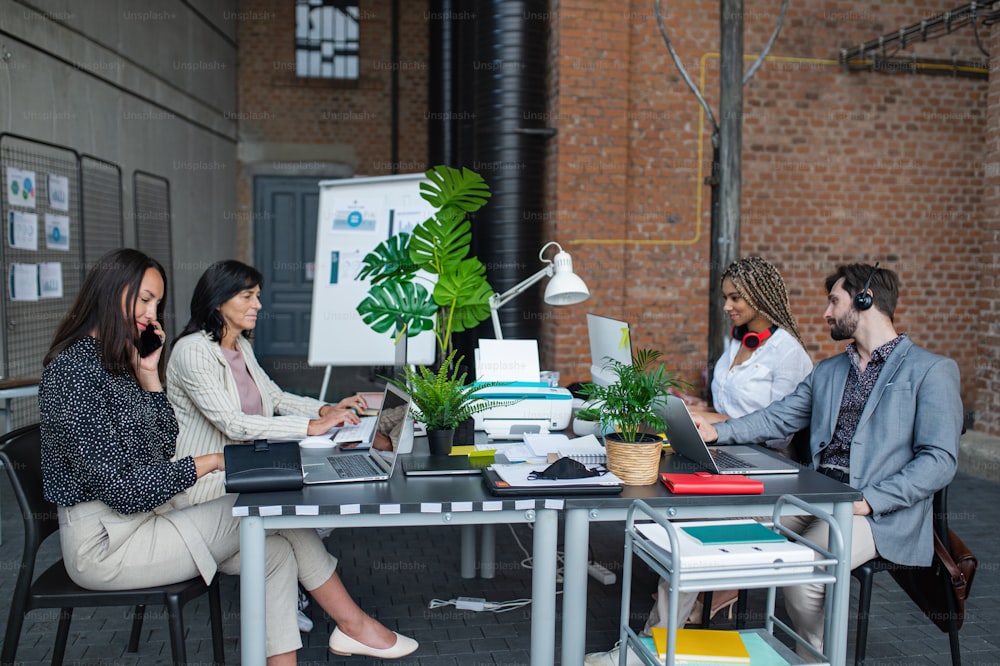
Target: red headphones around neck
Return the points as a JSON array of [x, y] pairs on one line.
[[752, 339]]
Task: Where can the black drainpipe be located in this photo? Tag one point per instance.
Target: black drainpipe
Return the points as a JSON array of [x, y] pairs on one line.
[[509, 69]]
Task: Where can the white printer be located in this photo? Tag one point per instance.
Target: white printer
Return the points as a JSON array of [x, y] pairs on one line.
[[532, 407]]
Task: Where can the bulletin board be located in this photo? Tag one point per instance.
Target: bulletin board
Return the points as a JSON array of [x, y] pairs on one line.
[[355, 215], [61, 212], [40, 255]]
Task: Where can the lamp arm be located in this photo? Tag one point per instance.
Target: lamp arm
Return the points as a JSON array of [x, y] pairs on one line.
[[497, 301], [500, 300]]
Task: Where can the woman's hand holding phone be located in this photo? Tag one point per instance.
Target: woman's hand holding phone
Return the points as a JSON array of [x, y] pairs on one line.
[[149, 346]]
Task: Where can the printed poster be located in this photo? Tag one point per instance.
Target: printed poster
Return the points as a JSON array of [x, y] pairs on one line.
[[50, 282], [56, 232], [23, 282], [20, 187], [22, 230], [58, 192]]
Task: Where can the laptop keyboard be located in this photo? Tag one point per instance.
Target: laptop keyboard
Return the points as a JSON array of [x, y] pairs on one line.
[[728, 461], [362, 432], [352, 465]]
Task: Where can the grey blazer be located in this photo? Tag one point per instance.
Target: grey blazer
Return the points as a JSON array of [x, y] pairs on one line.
[[905, 447]]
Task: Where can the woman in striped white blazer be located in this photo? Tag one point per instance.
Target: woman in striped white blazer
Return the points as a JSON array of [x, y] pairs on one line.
[[219, 392]]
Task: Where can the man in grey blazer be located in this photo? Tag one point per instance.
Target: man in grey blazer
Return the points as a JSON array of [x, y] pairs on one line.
[[885, 417]]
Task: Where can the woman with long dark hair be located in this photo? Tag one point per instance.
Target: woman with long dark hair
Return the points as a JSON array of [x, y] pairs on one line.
[[108, 435], [220, 393]]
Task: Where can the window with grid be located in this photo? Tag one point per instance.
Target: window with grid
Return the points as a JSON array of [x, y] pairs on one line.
[[326, 39]]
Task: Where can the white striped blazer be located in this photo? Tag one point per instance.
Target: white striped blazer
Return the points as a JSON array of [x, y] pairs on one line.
[[203, 392]]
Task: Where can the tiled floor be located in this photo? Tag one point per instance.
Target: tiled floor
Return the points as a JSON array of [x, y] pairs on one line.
[[395, 573]]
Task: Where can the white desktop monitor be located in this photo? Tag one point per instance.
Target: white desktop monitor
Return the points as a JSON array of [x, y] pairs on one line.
[[609, 338]]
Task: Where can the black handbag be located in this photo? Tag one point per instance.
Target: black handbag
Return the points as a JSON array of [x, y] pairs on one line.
[[263, 466], [950, 572]]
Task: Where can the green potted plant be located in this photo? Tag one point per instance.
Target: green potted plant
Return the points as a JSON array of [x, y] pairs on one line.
[[631, 413], [441, 400], [402, 300]]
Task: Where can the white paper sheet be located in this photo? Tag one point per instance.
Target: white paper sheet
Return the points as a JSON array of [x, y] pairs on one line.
[[517, 476], [58, 192], [507, 361], [22, 231], [23, 282], [56, 232], [21, 187], [50, 280]]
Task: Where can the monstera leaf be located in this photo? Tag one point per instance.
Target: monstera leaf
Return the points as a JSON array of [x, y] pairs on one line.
[[389, 261], [398, 306], [464, 189], [441, 242], [465, 294]]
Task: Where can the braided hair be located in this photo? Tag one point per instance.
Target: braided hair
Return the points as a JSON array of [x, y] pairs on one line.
[[760, 285]]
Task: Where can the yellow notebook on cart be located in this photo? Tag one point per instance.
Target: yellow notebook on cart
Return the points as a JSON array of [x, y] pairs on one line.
[[703, 645]]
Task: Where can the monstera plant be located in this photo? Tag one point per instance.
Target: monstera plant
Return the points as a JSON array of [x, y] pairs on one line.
[[401, 300]]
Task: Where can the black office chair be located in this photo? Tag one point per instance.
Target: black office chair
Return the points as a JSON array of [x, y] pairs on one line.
[[866, 572], [20, 454]]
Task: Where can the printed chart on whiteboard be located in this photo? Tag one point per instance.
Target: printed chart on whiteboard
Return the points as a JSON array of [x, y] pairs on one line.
[[355, 215]]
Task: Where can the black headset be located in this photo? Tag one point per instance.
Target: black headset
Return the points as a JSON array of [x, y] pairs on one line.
[[752, 339], [863, 300]]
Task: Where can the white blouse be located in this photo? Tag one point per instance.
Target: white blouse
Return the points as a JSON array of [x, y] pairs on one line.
[[773, 370]]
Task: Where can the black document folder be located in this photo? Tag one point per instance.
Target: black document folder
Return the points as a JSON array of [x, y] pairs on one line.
[[263, 466]]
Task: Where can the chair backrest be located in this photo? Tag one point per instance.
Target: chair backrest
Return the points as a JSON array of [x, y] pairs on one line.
[[21, 453]]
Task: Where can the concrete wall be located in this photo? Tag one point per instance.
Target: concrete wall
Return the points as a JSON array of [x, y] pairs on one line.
[[148, 85]]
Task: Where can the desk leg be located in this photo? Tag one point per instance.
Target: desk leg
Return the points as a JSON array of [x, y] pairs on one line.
[[836, 642], [574, 603], [468, 565], [543, 588], [488, 551], [253, 567]]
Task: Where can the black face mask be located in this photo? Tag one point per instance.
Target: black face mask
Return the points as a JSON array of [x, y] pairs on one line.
[[567, 468]]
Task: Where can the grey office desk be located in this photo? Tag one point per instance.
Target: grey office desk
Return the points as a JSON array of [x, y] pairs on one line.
[[814, 488], [400, 501]]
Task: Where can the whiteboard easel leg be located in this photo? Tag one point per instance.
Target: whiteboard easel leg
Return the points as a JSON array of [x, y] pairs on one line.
[[326, 382]]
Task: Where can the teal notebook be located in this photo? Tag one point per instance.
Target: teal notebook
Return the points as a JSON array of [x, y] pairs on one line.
[[733, 533]]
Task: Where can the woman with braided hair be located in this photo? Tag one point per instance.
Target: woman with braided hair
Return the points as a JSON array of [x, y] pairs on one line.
[[766, 357], [764, 362]]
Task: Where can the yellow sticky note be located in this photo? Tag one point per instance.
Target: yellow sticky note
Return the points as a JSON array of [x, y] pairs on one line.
[[462, 450]]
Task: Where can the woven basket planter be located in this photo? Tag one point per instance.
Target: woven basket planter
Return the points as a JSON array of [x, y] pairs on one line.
[[635, 463]]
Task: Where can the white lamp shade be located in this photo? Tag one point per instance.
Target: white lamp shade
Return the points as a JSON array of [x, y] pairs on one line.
[[565, 287]]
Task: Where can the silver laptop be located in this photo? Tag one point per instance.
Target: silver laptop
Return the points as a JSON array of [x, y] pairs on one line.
[[737, 459], [376, 462]]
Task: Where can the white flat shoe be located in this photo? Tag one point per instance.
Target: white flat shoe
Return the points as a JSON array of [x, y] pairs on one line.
[[344, 645]]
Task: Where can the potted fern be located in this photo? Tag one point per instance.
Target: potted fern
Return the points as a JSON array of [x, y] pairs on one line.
[[631, 412], [403, 300], [441, 400]]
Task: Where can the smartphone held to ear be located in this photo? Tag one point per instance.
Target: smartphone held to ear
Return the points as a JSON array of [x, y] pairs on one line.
[[149, 342]]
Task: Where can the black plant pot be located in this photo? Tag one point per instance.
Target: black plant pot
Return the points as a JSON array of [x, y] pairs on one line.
[[439, 441]]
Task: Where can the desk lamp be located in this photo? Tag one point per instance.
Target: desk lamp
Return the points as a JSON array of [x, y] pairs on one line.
[[565, 287]]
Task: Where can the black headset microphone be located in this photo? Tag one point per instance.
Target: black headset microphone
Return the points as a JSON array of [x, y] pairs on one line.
[[863, 300]]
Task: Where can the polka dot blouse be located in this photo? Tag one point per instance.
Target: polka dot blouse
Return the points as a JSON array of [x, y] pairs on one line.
[[104, 437]]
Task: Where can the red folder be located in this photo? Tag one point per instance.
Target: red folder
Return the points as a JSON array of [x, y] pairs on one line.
[[706, 483]]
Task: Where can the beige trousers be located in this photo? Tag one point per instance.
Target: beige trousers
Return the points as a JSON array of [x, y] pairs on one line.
[[106, 550], [804, 603]]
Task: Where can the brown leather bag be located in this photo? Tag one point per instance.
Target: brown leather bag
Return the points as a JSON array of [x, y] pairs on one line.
[[949, 572]]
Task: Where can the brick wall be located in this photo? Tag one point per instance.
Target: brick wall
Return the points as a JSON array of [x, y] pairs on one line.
[[837, 167], [279, 107]]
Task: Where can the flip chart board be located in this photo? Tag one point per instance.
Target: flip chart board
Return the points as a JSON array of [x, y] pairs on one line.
[[355, 215]]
